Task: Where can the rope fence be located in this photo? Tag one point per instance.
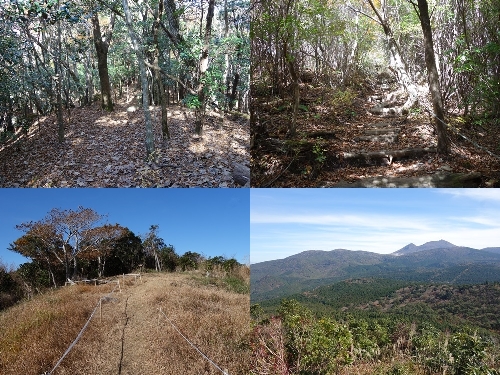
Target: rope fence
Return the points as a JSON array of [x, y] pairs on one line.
[[98, 305], [194, 346]]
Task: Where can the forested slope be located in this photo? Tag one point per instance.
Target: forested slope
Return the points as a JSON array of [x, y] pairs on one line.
[[310, 269]]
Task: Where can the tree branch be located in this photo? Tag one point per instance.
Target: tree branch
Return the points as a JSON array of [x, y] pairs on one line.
[[364, 14], [189, 89]]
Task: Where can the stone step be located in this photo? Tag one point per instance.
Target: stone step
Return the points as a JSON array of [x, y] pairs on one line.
[[387, 138], [382, 131]]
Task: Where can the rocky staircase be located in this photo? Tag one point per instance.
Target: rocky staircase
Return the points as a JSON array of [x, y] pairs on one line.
[[384, 132]]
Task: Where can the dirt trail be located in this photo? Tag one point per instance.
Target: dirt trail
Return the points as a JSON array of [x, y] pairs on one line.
[[138, 319], [135, 340]]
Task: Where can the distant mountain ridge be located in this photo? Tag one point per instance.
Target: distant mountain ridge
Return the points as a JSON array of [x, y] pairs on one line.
[[438, 261]]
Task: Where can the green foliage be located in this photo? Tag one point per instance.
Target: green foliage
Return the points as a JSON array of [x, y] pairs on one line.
[[322, 345], [343, 98], [319, 151], [236, 285], [192, 101], [431, 348], [10, 288], [190, 260], [35, 275], [169, 258], [469, 352], [314, 346], [256, 312]]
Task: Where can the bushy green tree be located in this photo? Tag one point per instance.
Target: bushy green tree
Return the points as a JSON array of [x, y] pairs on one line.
[[468, 352], [169, 258], [190, 261], [318, 347]]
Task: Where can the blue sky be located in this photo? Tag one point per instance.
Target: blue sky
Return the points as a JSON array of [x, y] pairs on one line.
[[207, 221], [284, 222]]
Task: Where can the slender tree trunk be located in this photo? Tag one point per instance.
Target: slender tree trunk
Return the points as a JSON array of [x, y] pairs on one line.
[[443, 145], [158, 77], [226, 61], [234, 90], [75, 267], [51, 274], [202, 69], [150, 147], [102, 48], [59, 78]]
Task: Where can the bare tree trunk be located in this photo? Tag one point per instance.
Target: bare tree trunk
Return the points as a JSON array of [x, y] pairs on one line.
[[292, 128], [89, 89], [202, 69], [158, 78], [59, 77], [150, 147], [75, 267], [226, 61], [433, 78], [102, 47], [232, 97]]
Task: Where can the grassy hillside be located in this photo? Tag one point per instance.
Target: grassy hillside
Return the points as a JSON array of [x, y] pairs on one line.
[[133, 337]]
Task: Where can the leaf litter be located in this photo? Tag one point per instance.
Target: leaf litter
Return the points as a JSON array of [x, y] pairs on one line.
[[107, 149]]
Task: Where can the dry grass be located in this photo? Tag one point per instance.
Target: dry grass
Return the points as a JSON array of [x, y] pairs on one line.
[[133, 337], [34, 334]]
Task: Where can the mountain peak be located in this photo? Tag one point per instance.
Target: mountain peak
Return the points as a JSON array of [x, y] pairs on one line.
[[412, 248]]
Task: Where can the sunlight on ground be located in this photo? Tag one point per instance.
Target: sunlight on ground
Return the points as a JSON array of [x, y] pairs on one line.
[[106, 121]]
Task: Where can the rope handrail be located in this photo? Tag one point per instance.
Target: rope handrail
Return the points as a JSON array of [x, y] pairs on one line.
[[81, 332], [190, 343]]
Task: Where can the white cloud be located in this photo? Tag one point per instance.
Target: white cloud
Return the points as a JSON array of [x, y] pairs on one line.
[[476, 194], [362, 220]]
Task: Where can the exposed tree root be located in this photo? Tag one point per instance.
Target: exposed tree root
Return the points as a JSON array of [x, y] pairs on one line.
[[437, 180], [409, 152]]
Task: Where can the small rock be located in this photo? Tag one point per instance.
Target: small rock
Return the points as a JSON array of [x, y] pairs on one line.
[[445, 168], [491, 183], [241, 174]]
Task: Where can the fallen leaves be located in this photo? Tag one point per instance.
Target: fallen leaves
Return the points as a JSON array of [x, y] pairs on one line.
[[104, 149]]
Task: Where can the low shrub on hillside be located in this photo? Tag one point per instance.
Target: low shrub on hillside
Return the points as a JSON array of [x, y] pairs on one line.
[[297, 342]]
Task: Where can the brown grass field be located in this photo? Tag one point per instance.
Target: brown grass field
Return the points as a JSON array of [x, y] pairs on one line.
[[133, 337]]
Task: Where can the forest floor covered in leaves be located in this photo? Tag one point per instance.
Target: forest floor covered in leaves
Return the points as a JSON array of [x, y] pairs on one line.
[[332, 127], [107, 149]]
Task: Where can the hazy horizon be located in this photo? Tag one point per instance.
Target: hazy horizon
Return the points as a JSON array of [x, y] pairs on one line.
[[288, 222]]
